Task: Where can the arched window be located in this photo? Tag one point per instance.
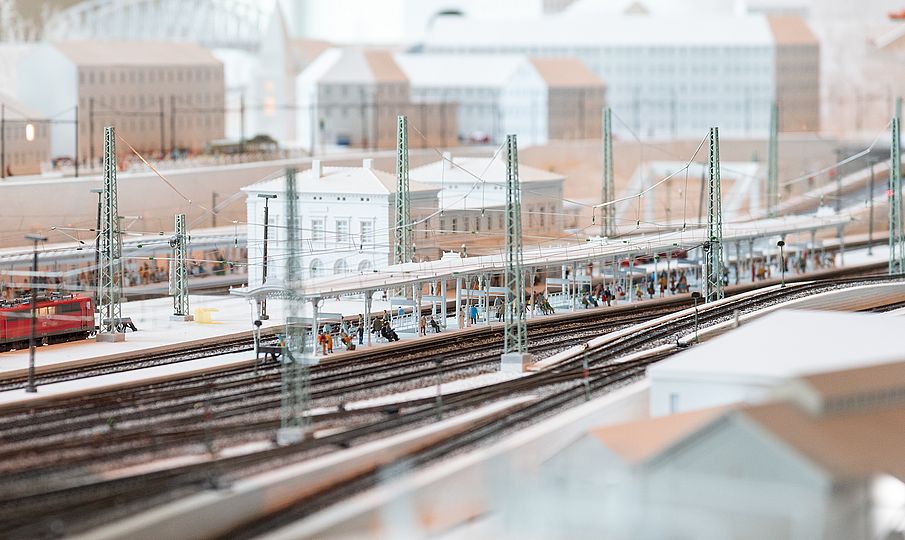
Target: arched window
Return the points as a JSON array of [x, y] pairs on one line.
[[364, 267], [315, 268], [340, 267]]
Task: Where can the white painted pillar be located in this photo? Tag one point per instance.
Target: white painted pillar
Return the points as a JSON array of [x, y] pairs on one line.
[[367, 314], [459, 300], [443, 303]]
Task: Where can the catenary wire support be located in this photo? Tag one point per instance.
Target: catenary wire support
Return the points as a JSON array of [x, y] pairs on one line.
[[180, 271], [772, 163], [896, 234], [515, 334], [608, 187], [110, 270], [713, 246], [297, 357], [402, 231]]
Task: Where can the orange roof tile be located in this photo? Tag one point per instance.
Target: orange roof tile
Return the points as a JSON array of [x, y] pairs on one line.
[[565, 72], [637, 441], [791, 30]]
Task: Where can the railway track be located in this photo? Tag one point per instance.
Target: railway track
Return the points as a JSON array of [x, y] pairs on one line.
[[603, 375], [565, 382]]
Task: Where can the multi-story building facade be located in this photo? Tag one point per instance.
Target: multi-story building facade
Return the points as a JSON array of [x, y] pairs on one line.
[[352, 96], [160, 96], [495, 95], [24, 139], [472, 202], [575, 98], [797, 64], [673, 75], [345, 224]]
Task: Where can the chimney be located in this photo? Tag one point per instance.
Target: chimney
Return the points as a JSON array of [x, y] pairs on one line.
[[316, 169], [367, 163]]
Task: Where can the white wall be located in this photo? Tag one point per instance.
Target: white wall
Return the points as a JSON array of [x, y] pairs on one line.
[[47, 83], [326, 251], [674, 395], [523, 102]]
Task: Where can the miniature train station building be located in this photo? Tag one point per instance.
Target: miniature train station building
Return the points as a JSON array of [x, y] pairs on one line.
[[729, 369], [345, 218]]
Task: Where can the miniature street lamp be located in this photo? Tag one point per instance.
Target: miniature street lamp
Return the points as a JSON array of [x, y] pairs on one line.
[[266, 197], [782, 264], [30, 386]]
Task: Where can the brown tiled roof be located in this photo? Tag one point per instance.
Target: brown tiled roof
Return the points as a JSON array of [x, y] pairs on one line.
[[791, 30], [384, 67], [858, 381], [637, 441], [851, 445], [565, 72], [309, 49], [135, 53]]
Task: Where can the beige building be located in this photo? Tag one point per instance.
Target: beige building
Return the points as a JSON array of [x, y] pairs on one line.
[[575, 98], [797, 74], [472, 203], [160, 96], [352, 96], [25, 138]]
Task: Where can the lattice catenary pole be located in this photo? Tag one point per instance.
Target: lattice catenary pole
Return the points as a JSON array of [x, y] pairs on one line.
[[608, 187], [402, 231], [110, 271], [896, 234], [297, 357], [180, 272], [713, 245], [515, 339], [772, 163]]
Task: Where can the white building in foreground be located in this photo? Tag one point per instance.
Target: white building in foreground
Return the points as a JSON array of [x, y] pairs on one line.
[[345, 220], [731, 368]]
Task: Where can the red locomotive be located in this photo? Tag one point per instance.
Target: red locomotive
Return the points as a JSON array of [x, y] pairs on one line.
[[58, 318]]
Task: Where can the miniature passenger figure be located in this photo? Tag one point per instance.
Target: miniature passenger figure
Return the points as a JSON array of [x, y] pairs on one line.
[[361, 330], [473, 314], [435, 325], [422, 326]]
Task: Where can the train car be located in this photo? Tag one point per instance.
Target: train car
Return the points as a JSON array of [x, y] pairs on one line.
[[58, 318]]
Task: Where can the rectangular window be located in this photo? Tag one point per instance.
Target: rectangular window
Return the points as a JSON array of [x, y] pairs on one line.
[[367, 232], [342, 230], [317, 229]]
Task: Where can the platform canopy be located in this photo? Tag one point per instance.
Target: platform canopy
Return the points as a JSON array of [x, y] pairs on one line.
[[453, 266]]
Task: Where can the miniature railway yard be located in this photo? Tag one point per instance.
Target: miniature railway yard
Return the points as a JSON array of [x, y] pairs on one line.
[[76, 462]]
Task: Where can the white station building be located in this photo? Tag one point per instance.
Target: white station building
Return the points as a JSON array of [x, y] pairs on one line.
[[346, 215], [729, 370]]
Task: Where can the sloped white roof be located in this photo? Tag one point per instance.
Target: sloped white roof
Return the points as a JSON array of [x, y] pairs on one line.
[[792, 343], [352, 65], [598, 30], [460, 70], [353, 180], [470, 169]]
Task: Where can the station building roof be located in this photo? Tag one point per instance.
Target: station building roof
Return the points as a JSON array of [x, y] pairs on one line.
[[467, 170], [135, 53], [790, 344], [364, 180]]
